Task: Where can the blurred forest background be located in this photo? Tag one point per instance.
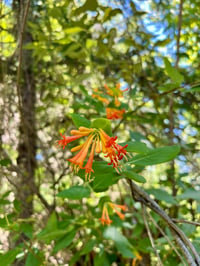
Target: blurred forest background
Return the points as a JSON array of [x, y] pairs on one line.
[[53, 55]]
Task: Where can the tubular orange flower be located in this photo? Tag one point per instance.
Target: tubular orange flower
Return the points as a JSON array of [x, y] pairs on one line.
[[88, 166], [98, 146], [78, 160], [65, 140], [115, 207], [105, 219], [99, 96]]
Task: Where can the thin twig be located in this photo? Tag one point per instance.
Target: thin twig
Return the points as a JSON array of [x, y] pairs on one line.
[[166, 237], [179, 32], [185, 221], [150, 235], [194, 84]]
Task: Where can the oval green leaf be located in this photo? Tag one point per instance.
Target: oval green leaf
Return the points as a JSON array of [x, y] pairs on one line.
[[156, 156], [75, 193], [80, 121], [134, 176], [102, 123]]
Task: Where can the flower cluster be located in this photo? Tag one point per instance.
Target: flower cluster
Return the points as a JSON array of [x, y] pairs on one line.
[[97, 141], [115, 93], [112, 113], [105, 219]]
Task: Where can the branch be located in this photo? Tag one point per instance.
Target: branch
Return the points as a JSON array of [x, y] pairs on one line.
[[142, 196], [186, 222], [150, 235], [194, 84], [184, 249]]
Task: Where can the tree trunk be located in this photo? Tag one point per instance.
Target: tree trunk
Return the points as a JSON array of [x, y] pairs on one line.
[[27, 129]]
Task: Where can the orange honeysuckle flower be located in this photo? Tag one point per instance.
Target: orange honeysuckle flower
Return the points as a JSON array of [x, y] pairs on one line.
[[65, 140], [99, 142], [98, 95], [112, 113], [78, 160], [115, 207], [88, 166], [105, 217], [115, 92], [114, 151]]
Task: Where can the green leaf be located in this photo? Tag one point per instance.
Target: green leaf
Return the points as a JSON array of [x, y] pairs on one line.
[[88, 247], [47, 237], [136, 146], [75, 193], [73, 30], [101, 181], [109, 13], [27, 229], [64, 241], [80, 121], [173, 72], [162, 195], [101, 259], [168, 86], [136, 177], [136, 136], [121, 242], [50, 231], [8, 258], [5, 162], [17, 205], [156, 156], [190, 194], [162, 43], [102, 123], [90, 5], [52, 222], [34, 258]]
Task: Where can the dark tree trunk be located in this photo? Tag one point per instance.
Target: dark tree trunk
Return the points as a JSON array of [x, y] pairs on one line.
[[27, 128]]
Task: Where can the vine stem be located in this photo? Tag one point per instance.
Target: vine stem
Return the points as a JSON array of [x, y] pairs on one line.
[[181, 239]]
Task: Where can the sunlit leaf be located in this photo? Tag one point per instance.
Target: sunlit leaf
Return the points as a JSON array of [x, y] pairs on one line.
[[173, 72], [80, 121], [102, 123]]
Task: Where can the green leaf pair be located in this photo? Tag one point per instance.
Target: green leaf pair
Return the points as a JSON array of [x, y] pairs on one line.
[[102, 123]]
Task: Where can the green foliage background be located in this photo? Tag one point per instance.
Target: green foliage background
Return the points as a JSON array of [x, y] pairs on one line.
[[75, 47]]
